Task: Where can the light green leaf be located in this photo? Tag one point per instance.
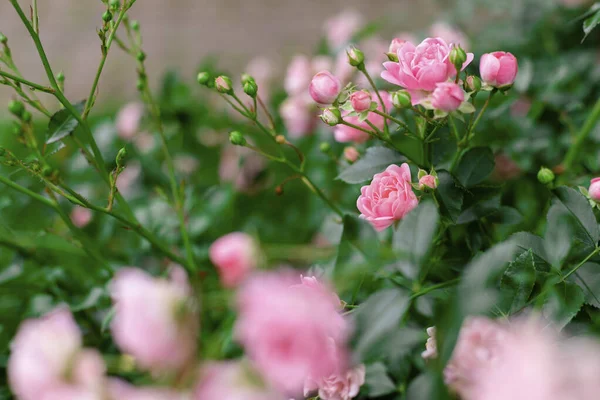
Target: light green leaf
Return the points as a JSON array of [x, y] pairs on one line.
[[374, 161], [62, 124], [377, 382]]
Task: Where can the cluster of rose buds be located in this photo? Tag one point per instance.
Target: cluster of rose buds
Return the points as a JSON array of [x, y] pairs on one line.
[[521, 359]]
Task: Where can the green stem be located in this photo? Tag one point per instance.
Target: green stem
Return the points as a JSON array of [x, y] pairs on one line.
[[584, 132], [483, 109], [592, 254], [24, 190], [362, 69], [428, 289], [28, 83], [36, 20], [309, 183], [396, 120]]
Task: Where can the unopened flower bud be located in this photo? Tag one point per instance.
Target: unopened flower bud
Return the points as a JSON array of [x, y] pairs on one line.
[[121, 156], [457, 57], [401, 99], [141, 56], [16, 108], [594, 190], [473, 83], [278, 190], [498, 69], [236, 138], [545, 176], [114, 4], [223, 84], [356, 58], [396, 45], [250, 88], [140, 85], [325, 87], [60, 77], [325, 147], [247, 78], [331, 116], [428, 181], [203, 78], [280, 139], [107, 16], [351, 154], [361, 101], [26, 116], [3, 39], [135, 25]]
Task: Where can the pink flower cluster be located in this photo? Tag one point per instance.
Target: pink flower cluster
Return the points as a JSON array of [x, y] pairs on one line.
[[520, 360], [345, 133]]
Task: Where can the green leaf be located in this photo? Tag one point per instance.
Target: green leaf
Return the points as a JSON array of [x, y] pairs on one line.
[[592, 21], [377, 318], [374, 161], [563, 303], [450, 195], [518, 281], [421, 388], [479, 210], [377, 382], [91, 300], [413, 237], [588, 278], [475, 166], [528, 241], [62, 124], [558, 237], [580, 208]]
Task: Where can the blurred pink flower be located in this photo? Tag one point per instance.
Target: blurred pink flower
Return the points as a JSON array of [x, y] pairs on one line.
[[505, 168], [421, 68], [341, 28], [128, 120], [594, 189], [185, 164], [521, 107], [431, 345], [498, 69], [287, 328], [351, 154], [343, 386], [47, 359], [235, 256], [261, 69], [121, 390], [450, 34], [81, 216], [447, 96], [299, 115], [324, 87], [388, 198], [231, 380], [343, 133], [241, 166], [165, 308], [145, 142], [361, 100], [298, 75]]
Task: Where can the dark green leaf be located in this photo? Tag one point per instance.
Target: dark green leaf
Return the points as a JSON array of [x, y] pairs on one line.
[[62, 124], [580, 208], [475, 166], [588, 278], [558, 237], [374, 161], [479, 210], [518, 281], [377, 382], [526, 241], [421, 388], [450, 195], [564, 302]]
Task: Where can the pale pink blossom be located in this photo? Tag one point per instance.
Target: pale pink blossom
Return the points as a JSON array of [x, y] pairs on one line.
[[128, 120], [341, 28], [47, 359], [351, 154], [155, 319], [299, 115], [343, 386], [235, 256], [261, 69], [388, 198], [343, 133], [594, 189], [324, 87], [121, 390], [361, 100], [287, 328], [230, 380], [419, 69], [298, 75], [498, 69], [447, 97], [431, 345], [429, 181], [185, 164], [395, 45], [81, 216], [241, 166], [450, 34]]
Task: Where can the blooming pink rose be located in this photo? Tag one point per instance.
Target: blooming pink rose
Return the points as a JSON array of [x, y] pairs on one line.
[[298, 75], [351, 154], [298, 114], [325, 87], [429, 181], [155, 319], [344, 386], [230, 380], [288, 329], [47, 359], [342, 27], [81, 216], [594, 190], [343, 133], [128, 120], [450, 34], [419, 69], [121, 390], [447, 96], [361, 100], [235, 255], [498, 69], [388, 198]]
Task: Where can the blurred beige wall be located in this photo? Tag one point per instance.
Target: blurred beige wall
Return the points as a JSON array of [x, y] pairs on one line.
[[179, 33]]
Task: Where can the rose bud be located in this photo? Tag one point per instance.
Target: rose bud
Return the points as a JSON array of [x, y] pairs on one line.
[[351, 154], [331, 116], [223, 84], [498, 69], [401, 99], [361, 101], [428, 181], [447, 97], [325, 87], [396, 44], [594, 190], [545, 176], [473, 84], [355, 57], [234, 255]]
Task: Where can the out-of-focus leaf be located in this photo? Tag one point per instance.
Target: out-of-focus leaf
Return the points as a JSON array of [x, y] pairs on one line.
[[518, 281], [580, 208], [377, 382], [450, 195], [588, 279], [592, 21], [563, 303], [374, 161], [91, 300], [62, 124], [475, 166], [558, 237], [421, 388], [527, 241], [479, 210]]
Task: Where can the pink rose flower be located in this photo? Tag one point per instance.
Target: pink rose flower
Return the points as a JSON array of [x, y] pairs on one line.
[[128, 120], [81, 216], [325, 87], [343, 133], [47, 358], [395, 45], [447, 96], [288, 327], [429, 181], [344, 386], [235, 256], [230, 380], [361, 100], [155, 319], [342, 27], [298, 75], [351, 154], [498, 69], [594, 190], [298, 114], [388, 198], [450, 34], [419, 69]]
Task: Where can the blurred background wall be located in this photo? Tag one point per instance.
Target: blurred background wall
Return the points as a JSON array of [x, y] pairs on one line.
[[180, 33]]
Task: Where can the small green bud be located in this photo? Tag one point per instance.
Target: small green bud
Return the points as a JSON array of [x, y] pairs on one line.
[[121, 156], [473, 84], [135, 25], [250, 88], [140, 85], [107, 16], [60, 77], [247, 78], [141, 56], [223, 84], [237, 138], [16, 108], [545, 176], [114, 4], [331, 116], [203, 78], [280, 139], [26, 116], [457, 57], [325, 147], [3, 39], [356, 58], [401, 99]]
